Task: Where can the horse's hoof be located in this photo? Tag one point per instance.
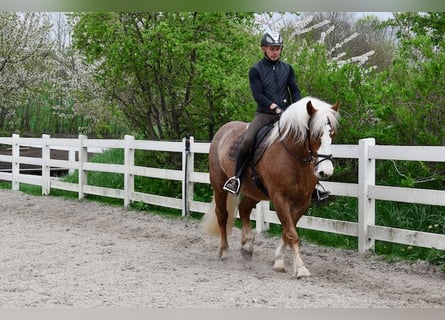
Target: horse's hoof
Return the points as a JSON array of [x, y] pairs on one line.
[[278, 266], [279, 269], [224, 255], [302, 272], [247, 255], [248, 246]]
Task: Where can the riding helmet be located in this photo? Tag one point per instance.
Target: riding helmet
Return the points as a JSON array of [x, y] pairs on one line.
[[271, 39]]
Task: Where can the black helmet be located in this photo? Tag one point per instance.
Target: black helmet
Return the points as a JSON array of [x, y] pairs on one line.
[[271, 39]]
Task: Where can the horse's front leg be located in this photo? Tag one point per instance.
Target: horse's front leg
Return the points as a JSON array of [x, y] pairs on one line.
[[299, 270], [290, 238], [247, 237]]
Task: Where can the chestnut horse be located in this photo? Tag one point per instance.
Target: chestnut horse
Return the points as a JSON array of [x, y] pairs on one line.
[[297, 155]]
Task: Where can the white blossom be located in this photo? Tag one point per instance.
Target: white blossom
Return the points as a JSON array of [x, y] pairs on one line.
[[302, 26], [308, 29]]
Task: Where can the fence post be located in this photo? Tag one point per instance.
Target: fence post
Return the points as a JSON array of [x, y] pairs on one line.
[[15, 166], [128, 171], [188, 161], [260, 210], [366, 206], [71, 158], [83, 157], [46, 168]]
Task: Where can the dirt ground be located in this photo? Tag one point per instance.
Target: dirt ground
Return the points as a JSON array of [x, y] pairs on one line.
[[67, 253]]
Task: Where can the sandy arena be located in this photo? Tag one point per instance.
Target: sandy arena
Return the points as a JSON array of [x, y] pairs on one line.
[[66, 253]]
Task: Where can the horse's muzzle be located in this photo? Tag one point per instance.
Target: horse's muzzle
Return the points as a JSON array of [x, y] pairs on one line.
[[324, 168]]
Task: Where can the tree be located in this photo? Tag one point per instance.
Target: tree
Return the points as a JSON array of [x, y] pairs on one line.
[[375, 36], [77, 100], [45, 87], [411, 25], [413, 90], [24, 54], [364, 41], [170, 73], [323, 72]]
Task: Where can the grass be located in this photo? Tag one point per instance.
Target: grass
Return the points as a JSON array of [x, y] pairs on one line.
[[392, 214], [399, 215]]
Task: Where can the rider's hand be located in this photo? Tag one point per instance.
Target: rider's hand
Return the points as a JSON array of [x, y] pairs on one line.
[[276, 108]]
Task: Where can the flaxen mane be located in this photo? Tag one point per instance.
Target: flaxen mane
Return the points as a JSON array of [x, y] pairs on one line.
[[295, 120]]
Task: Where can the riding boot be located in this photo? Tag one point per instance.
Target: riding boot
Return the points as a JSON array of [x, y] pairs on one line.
[[233, 184]]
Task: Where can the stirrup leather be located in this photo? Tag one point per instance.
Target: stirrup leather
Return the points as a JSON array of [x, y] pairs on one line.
[[232, 185]]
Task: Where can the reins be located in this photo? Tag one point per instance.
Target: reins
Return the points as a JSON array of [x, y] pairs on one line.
[[312, 155]]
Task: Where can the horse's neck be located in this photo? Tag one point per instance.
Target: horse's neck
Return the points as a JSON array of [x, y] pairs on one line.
[[296, 150]]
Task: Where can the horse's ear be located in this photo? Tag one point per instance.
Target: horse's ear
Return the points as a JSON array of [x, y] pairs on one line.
[[310, 108], [336, 106]]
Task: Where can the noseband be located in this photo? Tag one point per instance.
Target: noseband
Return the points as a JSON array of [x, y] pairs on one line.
[[313, 156]]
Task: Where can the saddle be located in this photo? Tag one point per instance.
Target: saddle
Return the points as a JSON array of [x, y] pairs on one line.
[[256, 152]]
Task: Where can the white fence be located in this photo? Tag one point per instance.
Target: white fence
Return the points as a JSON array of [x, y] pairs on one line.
[[365, 190]]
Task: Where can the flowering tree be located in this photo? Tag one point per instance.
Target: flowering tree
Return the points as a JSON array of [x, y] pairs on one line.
[[76, 95], [45, 86], [24, 55]]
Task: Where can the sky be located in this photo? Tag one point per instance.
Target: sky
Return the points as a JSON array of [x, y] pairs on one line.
[[381, 15]]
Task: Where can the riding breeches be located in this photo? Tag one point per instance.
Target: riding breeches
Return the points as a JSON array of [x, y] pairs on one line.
[[260, 120]]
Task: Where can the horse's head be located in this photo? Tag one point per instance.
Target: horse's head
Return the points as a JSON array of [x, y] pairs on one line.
[[310, 123], [322, 126]]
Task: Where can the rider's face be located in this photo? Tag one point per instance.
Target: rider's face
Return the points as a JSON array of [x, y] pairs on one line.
[[272, 52]]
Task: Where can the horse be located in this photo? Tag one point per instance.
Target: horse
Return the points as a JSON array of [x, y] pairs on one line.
[[297, 155]]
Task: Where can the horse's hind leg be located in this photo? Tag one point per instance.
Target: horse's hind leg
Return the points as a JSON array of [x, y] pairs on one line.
[[278, 264], [247, 238], [222, 215]]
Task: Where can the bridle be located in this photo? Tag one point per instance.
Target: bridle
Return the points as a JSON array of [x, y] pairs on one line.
[[313, 156]]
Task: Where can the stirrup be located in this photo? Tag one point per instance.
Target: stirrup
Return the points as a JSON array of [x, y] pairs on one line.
[[232, 185], [320, 194]]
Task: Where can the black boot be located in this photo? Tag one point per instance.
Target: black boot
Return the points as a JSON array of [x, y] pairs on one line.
[[234, 183]]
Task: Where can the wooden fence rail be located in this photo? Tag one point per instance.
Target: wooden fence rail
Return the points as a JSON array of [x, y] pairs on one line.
[[365, 190]]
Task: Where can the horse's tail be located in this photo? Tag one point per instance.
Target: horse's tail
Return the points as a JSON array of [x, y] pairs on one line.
[[209, 224]]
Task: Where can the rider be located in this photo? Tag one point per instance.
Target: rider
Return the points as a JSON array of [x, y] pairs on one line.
[[274, 88]]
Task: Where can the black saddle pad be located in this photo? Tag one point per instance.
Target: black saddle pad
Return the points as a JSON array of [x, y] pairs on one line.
[[259, 145]]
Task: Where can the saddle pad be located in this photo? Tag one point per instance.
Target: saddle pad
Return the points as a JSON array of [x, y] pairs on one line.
[[259, 147]]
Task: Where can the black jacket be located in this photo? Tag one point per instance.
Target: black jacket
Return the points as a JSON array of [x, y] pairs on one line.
[[273, 82]]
